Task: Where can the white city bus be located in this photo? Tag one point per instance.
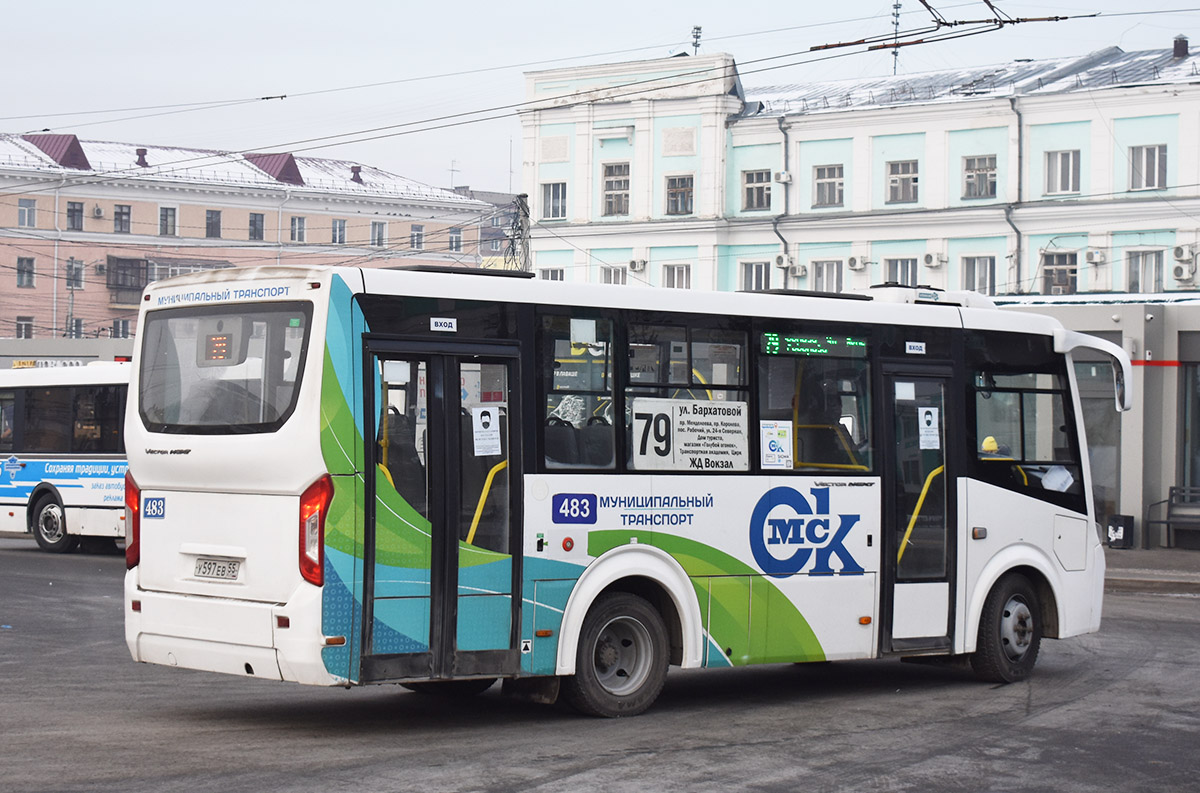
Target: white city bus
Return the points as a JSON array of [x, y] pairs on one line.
[[63, 452], [343, 476]]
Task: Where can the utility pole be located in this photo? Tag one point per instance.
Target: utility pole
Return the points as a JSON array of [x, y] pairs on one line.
[[453, 171], [516, 257], [896, 33], [695, 39], [70, 297]]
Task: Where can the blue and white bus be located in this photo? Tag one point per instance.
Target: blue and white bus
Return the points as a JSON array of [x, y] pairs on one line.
[[343, 476], [63, 452]]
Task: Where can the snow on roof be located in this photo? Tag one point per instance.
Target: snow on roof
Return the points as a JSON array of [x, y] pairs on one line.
[[118, 160], [1107, 68]]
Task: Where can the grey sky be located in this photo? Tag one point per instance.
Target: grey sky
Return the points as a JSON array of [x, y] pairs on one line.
[[86, 56]]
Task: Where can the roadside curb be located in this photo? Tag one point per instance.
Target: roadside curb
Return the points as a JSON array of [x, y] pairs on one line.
[[1155, 586]]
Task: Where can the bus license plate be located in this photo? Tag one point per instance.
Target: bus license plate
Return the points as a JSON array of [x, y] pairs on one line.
[[224, 569]]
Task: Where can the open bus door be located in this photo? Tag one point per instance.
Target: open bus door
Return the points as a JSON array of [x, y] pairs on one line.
[[441, 577]]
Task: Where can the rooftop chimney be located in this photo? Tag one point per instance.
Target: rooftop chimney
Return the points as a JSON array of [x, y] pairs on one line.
[[141, 153], [356, 175], [1181, 46]]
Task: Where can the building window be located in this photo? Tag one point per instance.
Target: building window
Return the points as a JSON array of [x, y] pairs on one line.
[[257, 226], [212, 223], [1147, 167], [338, 232], [827, 276], [455, 240], [756, 192], [902, 182], [378, 233], [613, 275], [828, 186], [679, 195], [497, 221], [979, 274], [75, 328], [24, 272], [122, 218], [552, 274], [297, 229], [27, 212], [24, 327], [756, 276], [497, 246], [901, 271], [120, 329], [416, 238], [74, 216], [166, 221], [1059, 273], [677, 276], [1145, 269], [979, 177], [616, 189], [74, 274], [554, 201], [1062, 172]]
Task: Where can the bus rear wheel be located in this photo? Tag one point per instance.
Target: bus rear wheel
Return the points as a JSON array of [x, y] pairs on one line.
[[50, 526], [621, 664], [1010, 632]]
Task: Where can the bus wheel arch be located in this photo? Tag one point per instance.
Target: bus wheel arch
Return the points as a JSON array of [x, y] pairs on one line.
[[649, 574], [48, 521], [1037, 577]]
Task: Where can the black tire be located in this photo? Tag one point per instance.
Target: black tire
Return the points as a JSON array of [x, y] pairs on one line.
[[50, 526], [1010, 632], [451, 689], [621, 664]]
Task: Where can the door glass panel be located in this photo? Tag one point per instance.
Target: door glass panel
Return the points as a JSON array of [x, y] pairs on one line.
[[402, 527], [920, 479], [484, 563]]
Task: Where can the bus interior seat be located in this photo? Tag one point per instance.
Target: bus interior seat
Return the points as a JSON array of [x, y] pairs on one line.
[[403, 462]]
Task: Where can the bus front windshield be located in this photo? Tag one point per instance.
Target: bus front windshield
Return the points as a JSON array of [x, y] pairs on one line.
[[222, 370]]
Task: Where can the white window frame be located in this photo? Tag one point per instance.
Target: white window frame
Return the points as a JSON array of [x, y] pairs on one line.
[[497, 245], [120, 329], [262, 229], [614, 274], [829, 185], [497, 220], [174, 228], [615, 192], [27, 213], [299, 231], [979, 176], [73, 270], [454, 240], [756, 190], [754, 276], [677, 276], [378, 233], [552, 274], [75, 328], [1060, 271], [1054, 175], [901, 270], [26, 279], [73, 215], [337, 231], [416, 237], [824, 272], [1148, 167], [1145, 268], [903, 181], [975, 280], [123, 219], [24, 327], [554, 201], [677, 194]]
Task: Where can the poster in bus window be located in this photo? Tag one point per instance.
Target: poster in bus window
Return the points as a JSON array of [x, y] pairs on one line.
[[690, 435]]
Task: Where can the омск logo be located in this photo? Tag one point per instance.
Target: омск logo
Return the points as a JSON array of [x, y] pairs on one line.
[[786, 531]]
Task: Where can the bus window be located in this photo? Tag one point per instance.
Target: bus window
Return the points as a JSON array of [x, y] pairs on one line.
[[578, 423], [7, 408], [669, 366], [824, 401], [97, 426], [47, 420]]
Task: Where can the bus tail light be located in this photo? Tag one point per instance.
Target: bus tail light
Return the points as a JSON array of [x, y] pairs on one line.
[[314, 506], [133, 523]]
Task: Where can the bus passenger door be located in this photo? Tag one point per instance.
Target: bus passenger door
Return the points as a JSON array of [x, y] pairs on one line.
[[918, 514], [442, 596]]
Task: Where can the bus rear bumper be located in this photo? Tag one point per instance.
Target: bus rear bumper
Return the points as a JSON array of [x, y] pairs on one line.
[[228, 636]]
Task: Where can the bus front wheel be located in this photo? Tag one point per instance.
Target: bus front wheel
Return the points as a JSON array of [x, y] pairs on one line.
[[1010, 632], [622, 660], [50, 526]]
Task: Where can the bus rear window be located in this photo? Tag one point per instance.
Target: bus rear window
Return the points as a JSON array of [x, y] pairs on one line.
[[227, 370]]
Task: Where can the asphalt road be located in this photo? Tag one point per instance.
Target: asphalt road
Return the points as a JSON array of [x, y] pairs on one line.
[[1115, 711]]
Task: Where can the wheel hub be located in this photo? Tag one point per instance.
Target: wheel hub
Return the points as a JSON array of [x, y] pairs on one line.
[[1016, 628], [50, 524]]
